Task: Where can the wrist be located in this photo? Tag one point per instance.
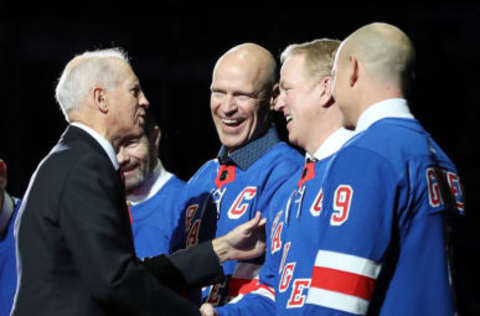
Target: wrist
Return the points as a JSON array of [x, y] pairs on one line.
[[221, 249]]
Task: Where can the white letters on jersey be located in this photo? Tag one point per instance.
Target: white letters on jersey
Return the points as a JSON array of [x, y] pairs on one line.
[[239, 206], [456, 189], [297, 297], [454, 185], [316, 208], [286, 276], [277, 239], [341, 204], [434, 196]]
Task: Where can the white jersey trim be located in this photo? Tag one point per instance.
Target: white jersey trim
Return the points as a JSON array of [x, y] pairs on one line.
[[338, 301], [348, 263]]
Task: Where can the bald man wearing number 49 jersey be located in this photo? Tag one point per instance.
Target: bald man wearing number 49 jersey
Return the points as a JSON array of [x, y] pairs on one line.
[[381, 248]]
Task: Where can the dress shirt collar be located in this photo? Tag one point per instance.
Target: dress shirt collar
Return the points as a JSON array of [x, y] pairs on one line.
[[389, 108], [245, 156], [151, 186], [6, 212], [331, 145], [101, 140]]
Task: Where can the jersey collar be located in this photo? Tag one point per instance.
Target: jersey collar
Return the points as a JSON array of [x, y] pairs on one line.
[[245, 156], [151, 186], [389, 108], [331, 145]]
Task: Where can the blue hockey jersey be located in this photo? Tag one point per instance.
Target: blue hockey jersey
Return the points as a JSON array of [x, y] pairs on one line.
[[221, 196], [8, 268], [292, 223], [156, 221], [381, 234]]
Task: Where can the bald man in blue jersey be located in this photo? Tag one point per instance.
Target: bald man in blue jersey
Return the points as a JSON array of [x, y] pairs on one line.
[[386, 193]]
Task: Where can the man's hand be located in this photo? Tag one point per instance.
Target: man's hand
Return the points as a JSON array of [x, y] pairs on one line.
[[208, 310], [3, 181], [246, 241]]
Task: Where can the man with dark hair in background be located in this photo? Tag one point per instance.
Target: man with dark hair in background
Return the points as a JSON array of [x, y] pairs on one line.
[[153, 194]]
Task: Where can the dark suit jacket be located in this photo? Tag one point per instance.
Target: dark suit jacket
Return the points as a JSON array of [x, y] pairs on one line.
[[75, 243]]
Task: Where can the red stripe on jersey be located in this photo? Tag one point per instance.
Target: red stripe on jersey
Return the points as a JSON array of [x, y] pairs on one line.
[[236, 286], [254, 285], [343, 282]]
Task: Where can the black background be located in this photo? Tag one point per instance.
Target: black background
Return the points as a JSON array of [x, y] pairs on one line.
[[174, 54]]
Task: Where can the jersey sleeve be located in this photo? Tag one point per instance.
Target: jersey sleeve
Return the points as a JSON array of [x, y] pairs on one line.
[[361, 191]]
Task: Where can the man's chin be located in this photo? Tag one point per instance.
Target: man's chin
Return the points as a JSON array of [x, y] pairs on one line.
[[133, 183]]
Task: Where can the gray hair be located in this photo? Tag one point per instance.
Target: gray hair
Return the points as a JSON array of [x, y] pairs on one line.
[[85, 71]]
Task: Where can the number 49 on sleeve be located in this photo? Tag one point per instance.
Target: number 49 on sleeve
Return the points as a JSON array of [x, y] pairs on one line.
[[341, 204]]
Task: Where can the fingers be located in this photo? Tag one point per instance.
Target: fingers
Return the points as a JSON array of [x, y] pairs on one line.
[[254, 222], [259, 220], [262, 222], [207, 310]]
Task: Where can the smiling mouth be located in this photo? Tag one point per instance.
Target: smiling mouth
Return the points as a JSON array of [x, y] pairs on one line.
[[130, 168], [232, 122], [288, 118]]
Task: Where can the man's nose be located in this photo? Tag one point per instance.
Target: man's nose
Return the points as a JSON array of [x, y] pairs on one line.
[[143, 101], [122, 158], [279, 102], [229, 104]]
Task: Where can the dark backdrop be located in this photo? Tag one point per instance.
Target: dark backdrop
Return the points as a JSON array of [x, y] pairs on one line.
[[174, 54]]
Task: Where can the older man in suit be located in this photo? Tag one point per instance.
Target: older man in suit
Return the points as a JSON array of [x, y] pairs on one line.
[[74, 242]]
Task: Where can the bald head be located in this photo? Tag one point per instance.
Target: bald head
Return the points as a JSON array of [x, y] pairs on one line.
[[241, 88], [253, 60], [385, 51]]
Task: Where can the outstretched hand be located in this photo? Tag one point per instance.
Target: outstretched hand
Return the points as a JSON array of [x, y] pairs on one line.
[[246, 241], [208, 310]]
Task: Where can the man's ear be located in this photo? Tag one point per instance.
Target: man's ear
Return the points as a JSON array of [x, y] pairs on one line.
[[326, 91], [274, 97], [99, 99], [354, 70]]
